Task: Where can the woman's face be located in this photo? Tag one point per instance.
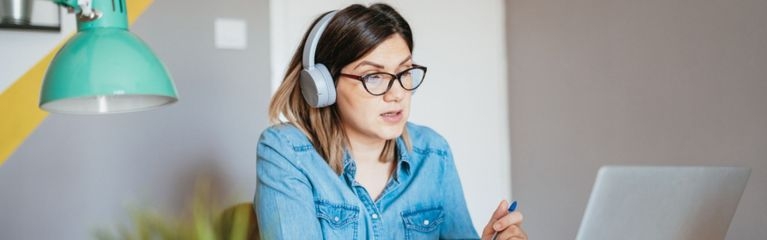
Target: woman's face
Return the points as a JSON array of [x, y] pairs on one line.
[[369, 118]]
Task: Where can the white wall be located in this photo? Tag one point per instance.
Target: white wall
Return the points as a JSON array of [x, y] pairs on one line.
[[22, 49], [671, 82], [464, 96]]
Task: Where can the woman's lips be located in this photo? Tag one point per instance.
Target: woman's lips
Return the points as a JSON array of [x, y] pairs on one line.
[[392, 116]]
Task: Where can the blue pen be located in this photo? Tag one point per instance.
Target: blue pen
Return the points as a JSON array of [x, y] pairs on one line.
[[511, 209]]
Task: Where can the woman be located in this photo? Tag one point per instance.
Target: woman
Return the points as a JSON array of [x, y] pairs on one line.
[[347, 164]]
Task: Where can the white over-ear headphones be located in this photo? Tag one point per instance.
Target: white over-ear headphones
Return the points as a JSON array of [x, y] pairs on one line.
[[316, 82]]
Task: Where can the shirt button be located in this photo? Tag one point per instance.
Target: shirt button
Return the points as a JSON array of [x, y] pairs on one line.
[[425, 222], [336, 219], [374, 216]]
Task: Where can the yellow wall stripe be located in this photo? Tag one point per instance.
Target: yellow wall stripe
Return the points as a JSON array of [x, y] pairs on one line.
[[19, 114]]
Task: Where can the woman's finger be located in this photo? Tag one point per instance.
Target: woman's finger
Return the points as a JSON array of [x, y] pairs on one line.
[[513, 232], [514, 218], [497, 214], [500, 211]]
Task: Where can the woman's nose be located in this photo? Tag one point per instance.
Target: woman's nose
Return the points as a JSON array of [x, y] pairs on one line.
[[395, 93]]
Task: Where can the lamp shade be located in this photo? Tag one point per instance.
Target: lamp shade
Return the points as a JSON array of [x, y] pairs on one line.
[[105, 69]]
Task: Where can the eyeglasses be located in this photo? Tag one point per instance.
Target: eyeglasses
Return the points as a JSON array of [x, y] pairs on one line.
[[379, 83]]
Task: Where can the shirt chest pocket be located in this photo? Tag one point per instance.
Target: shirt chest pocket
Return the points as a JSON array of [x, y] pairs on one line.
[[338, 221], [423, 223]]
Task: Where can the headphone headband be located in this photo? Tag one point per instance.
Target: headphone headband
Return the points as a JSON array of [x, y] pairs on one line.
[[310, 47]]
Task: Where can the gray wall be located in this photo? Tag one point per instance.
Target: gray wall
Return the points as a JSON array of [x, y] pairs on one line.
[[77, 173], [634, 82]]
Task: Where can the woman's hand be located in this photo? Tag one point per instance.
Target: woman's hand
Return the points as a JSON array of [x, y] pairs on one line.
[[508, 225]]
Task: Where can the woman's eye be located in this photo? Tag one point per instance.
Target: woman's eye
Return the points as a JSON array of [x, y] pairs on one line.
[[374, 79]]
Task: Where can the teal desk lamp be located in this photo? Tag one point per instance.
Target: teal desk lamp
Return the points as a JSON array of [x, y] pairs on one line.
[[104, 68]]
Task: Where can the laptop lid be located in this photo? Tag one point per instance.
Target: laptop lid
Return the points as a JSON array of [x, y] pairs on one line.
[[662, 202]]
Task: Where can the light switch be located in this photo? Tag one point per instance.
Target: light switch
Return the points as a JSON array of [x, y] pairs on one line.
[[231, 33]]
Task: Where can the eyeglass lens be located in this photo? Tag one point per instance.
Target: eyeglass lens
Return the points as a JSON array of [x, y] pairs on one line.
[[379, 83]]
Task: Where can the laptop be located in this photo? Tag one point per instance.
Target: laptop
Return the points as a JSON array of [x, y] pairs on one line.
[[662, 202]]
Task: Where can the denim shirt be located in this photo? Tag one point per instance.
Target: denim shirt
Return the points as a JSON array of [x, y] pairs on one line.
[[299, 196]]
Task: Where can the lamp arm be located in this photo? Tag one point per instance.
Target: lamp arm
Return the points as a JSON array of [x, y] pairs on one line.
[[83, 7]]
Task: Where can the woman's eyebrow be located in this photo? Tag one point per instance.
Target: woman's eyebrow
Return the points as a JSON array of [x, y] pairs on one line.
[[369, 63], [379, 66], [409, 57]]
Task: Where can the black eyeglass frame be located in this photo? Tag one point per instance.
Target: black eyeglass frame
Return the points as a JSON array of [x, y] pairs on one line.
[[391, 82]]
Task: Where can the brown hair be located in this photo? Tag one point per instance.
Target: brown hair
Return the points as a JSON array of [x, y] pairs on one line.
[[353, 32]]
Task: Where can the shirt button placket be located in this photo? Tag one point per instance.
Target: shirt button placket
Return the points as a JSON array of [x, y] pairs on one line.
[[377, 228]]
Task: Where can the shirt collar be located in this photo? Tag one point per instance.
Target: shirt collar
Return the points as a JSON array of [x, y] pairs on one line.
[[349, 166], [403, 158], [403, 161]]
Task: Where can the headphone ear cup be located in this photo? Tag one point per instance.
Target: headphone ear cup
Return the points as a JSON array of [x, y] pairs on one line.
[[317, 86]]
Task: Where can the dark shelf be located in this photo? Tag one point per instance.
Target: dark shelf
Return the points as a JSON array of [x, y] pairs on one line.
[[30, 27]]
